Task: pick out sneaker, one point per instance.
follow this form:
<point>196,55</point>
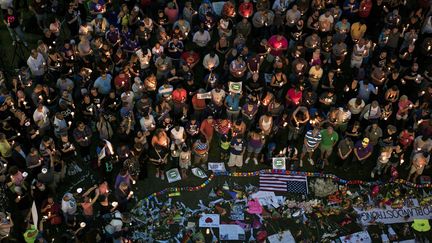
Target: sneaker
<point>255,161</point>
<point>157,175</point>
<point>372,174</point>
<point>311,161</point>
<point>247,160</point>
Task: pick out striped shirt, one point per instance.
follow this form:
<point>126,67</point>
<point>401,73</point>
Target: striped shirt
<point>311,140</point>
<point>201,148</point>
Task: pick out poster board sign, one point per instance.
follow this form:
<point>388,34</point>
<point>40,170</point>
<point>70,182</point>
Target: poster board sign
<point>173,175</point>
<point>284,237</point>
<point>209,220</point>
<point>216,167</point>
<point>394,215</point>
<point>279,163</point>
<point>199,173</point>
<point>231,232</point>
<point>203,96</point>
<point>362,236</point>
<point>235,87</point>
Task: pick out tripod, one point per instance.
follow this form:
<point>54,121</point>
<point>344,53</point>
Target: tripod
<point>20,51</point>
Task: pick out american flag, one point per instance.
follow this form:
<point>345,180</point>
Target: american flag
<point>283,183</point>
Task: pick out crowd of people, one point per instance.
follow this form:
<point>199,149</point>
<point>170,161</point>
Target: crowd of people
<point>129,87</point>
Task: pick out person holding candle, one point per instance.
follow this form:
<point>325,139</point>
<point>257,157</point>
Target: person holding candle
<point>185,159</point>
<point>419,162</point>
<point>83,136</point>
<point>278,44</point>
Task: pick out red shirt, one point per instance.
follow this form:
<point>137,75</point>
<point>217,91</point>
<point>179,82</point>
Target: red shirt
<point>207,128</point>
<point>365,8</point>
<point>179,95</point>
<point>246,9</point>
<point>294,95</point>
<point>279,44</point>
<point>121,80</point>
<point>198,104</point>
<point>190,57</point>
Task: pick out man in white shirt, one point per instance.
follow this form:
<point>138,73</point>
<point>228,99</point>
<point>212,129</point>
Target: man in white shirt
<point>40,117</point>
<point>211,61</point>
<point>356,105</point>
<point>326,22</point>
<point>201,38</point>
<point>37,65</point>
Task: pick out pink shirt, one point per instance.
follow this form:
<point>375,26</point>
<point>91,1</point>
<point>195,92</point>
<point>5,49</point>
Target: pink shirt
<point>172,14</point>
<point>403,105</point>
<point>280,44</point>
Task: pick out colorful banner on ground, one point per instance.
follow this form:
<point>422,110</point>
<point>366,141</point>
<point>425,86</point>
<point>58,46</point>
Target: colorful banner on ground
<point>393,216</point>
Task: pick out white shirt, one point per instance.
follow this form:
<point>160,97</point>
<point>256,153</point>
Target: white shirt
<point>201,39</point>
<point>211,62</point>
<point>178,135</point>
<point>41,117</point>
<point>70,206</point>
<point>36,65</point>
<point>146,123</point>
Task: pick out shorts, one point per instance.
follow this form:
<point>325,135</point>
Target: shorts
<point>307,149</point>
<point>235,160</point>
<point>328,150</point>
<point>416,170</point>
<point>255,150</point>
<point>185,164</point>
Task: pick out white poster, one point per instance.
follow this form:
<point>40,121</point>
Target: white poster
<point>284,237</point>
<point>173,175</point>
<point>231,232</point>
<point>209,220</point>
<point>392,216</point>
<point>217,167</point>
<point>203,96</point>
<point>362,236</point>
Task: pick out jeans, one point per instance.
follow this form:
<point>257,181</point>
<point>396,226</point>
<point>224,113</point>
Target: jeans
<point>16,33</point>
<point>41,20</point>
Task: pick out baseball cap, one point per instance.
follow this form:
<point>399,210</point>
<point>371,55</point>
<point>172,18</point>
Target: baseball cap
<point>365,141</point>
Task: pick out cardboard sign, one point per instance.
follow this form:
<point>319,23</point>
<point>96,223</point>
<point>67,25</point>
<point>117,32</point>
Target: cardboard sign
<point>209,220</point>
<point>173,175</point>
<point>235,87</point>
<point>203,96</point>
<point>393,216</point>
<point>279,163</point>
<point>284,237</point>
<point>217,167</point>
<point>231,232</point>
<point>362,236</point>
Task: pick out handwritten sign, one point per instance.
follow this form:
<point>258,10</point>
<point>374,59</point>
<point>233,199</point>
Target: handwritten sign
<point>392,216</point>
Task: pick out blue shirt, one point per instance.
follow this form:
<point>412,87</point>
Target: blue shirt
<point>233,102</point>
<point>237,147</point>
<point>103,85</point>
<point>364,91</point>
